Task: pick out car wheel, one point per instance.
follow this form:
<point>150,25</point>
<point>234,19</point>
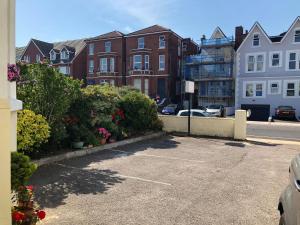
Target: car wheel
<point>282,220</point>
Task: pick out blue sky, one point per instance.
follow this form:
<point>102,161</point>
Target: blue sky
<point>57,20</point>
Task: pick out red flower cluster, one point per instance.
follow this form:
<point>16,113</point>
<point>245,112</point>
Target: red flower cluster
<point>18,216</point>
<point>104,133</point>
<point>41,214</point>
<point>13,73</point>
<point>118,116</point>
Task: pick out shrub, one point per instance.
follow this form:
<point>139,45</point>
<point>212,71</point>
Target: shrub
<point>47,92</point>
<point>21,170</point>
<point>32,131</point>
<point>140,112</point>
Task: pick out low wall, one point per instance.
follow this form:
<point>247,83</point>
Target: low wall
<point>209,126</point>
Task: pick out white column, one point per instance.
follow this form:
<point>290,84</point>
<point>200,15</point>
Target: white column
<point>7,97</point>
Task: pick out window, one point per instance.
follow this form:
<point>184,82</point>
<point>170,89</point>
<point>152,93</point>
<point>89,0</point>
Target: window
<point>254,89</point>
<point>91,66</point>
<point>64,70</point>
<point>255,62</point>
<point>297,36</point>
<point>146,62</point>
<point>162,62</point>
<point>103,65</point>
<point>146,86</point>
<point>293,60</point>
<point>27,58</point>
<point>91,48</point>
<point>185,113</point>
<point>162,42</point>
<point>141,43</point>
<point>274,87</point>
<point>38,58</point>
<point>52,55</point>
<point>107,46</point>
<point>137,62</point>
<point>112,82</point>
<point>290,91</point>
<point>137,84</point>
<point>256,40</point>
<point>64,55</point>
<point>275,59</point>
<point>112,65</point>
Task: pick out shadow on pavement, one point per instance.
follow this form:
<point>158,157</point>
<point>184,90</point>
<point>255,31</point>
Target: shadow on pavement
<point>236,144</point>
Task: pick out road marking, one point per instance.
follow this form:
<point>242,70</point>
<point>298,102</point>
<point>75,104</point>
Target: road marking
<point>118,175</point>
<point>158,156</point>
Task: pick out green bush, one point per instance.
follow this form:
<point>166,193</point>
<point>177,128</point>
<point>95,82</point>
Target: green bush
<point>32,131</point>
<point>140,112</point>
<point>21,170</point>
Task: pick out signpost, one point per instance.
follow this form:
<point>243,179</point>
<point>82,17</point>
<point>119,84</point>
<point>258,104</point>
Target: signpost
<point>189,89</point>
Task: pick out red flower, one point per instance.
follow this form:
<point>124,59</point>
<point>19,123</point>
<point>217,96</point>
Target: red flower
<point>41,214</point>
<point>18,216</point>
<point>113,117</point>
<point>30,187</point>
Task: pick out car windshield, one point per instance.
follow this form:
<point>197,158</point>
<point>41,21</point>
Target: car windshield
<point>214,107</point>
<point>285,107</point>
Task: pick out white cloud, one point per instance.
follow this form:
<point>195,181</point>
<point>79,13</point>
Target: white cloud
<point>128,29</point>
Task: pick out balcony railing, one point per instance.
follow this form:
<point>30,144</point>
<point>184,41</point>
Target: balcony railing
<point>198,72</point>
<point>217,42</point>
<point>140,72</point>
<point>221,92</point>
<point>207,59</point>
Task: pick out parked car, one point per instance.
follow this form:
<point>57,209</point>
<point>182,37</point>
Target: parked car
<point>201,107</point>
<point>289,202</point>
<point>194,112</point>
<point>286,112</point>
<point>215,110</point>
<point>161,104</point>
<point>171,109</point>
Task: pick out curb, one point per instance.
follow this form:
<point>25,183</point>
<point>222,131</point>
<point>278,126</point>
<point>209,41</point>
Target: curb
<point>273,141</point>
<point>88,151</point>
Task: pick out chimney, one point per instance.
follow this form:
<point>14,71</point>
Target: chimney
<point>239,36</point>
<point>203,37</point>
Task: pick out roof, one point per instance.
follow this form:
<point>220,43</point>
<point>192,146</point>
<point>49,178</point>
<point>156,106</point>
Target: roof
<point>152,29</point>
<point>19,52</point>
<point>113,34</point>
<point>72,45</point>
<point>44,47</point>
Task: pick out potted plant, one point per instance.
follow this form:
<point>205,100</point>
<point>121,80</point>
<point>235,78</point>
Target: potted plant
<point>104,135</point>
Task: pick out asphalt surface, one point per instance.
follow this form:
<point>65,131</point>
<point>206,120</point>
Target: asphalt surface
<point>172,180</point>
<point>275,130</point>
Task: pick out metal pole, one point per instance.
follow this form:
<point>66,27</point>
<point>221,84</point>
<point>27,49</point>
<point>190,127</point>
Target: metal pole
<point>189,116</point>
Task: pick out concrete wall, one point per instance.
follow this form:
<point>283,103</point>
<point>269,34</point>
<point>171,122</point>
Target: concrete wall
<point>209,126</point>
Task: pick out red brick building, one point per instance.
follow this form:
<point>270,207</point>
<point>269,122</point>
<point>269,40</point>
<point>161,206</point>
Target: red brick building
<point>153,59</point>
<point>105,56</point>
<point>68,56</point>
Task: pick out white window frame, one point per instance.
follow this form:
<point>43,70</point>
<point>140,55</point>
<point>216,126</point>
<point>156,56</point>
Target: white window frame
<point>162,42</point>
<point>135,62</point>
<point>37,58</point>
<point>52,55</point>
<point>64,70</point>
<point>294,39</point>
<point>112,65</point>
<point>254,83</point>
<point>255,54</point>
<point>91,49</point>
<point>271,59</point>
<point>287,68</point>
<point>146,62</point>
<point>103,65</point>
<point>162,60</point>
<point>278,82</point>
<point>27,58</point>
<point>64,54</point>
<point>258,34</point>
<point>107,46</point>
<point>91,66</point>
<point>137,83</point>
<point>297,88</point>
<point>141,43</point>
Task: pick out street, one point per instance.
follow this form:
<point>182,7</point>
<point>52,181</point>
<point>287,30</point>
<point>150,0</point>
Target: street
<point>170,180</point>
<point>276,130</point>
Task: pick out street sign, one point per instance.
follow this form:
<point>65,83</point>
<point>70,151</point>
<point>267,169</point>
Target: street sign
<point>189,86</point>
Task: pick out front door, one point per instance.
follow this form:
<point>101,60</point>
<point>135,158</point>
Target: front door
<point>161,87</point>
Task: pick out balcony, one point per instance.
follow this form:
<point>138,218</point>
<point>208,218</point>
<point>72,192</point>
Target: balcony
<point>209,72</point>
<point>217,93</point>
<point>217,42</point>
<point>207,59</point>
<point>140,72</point>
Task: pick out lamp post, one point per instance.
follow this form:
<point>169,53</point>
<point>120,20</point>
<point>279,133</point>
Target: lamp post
<point>8,105</point>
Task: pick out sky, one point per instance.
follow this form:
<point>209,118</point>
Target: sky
<point>60,20</point>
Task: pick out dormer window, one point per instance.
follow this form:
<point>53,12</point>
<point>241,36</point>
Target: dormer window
<point>162,41</point>
<point>297,36</point>
<point>256,40</point>
<point>52,55</point>
<point>141,43</point>
<point>64,54</point>
<point>107,46</point>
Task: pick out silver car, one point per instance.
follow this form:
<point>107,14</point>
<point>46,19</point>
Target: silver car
<point>289,202</point>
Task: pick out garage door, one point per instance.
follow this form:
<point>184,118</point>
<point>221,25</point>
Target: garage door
<point>258,112</point>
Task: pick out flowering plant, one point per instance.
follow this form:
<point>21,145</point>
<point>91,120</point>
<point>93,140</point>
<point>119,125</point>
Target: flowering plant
<point>25,212</point>
<point>104,134</point>
<point>13,73</point>
<point>118,116</point>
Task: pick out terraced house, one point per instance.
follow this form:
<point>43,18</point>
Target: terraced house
<point>68,56</point>
<point>268,71</point>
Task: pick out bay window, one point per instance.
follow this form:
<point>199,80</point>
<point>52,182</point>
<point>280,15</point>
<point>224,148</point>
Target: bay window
<point>103,65</point>
<point>112,65</point>
<point>137,62</point>
<point>146,62</point>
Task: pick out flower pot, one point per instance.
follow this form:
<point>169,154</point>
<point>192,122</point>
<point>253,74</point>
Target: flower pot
<point>102,141</point>
<point>78,145</point>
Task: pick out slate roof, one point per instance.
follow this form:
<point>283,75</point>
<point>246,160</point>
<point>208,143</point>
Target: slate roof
<point>19,52</point>
<point>73,45</point>
<point>277,38</point>
<point>44,47</point>
<point>152,29</point>
<point>113,34</point>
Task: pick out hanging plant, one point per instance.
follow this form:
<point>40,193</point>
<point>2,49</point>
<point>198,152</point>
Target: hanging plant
<point>13,73</point>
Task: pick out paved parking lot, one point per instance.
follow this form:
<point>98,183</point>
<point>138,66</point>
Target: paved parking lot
<point>171,180</point>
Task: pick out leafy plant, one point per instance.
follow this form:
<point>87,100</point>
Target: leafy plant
<point>32,131</point>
